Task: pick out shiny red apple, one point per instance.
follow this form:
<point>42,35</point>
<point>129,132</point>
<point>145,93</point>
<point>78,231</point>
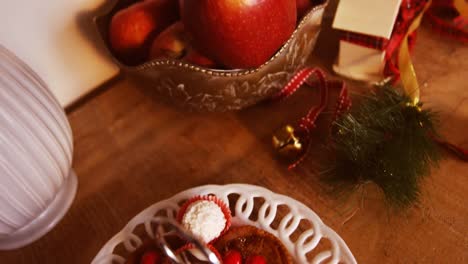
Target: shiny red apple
<point>181,6</point>
<point>194,57</point>
<point>170,44</point>
<point>239,33</point>
<point>302,7</point>
<point>131,28</point>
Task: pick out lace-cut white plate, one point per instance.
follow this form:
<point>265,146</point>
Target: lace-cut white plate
<point>297,226</point>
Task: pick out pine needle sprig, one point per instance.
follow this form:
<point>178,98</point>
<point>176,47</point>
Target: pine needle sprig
<point>387,140</point>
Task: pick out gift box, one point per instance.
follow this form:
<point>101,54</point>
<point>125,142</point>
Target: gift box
<point>371,32</point>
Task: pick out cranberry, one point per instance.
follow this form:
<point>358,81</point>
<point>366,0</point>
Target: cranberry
<point>232,257</point>
<point>150,257</point>
<point>256,259</point>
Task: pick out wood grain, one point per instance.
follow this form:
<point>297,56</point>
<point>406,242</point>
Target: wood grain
<point>132,151</point>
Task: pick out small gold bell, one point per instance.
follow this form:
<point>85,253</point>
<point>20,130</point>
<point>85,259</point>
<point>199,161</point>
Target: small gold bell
<point>287,143</point>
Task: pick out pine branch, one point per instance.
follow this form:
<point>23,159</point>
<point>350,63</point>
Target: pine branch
<point>388,141</point>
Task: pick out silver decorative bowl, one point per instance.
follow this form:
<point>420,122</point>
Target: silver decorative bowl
<point>205,89</point>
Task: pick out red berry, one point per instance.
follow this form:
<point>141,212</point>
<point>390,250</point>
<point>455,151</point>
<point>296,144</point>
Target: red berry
<point>150,257</point>
<point>232,257</point>
<point>257,259</point>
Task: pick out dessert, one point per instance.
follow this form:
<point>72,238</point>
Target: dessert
<point>148,253</point>
<point>209,219</point>
<point>151,257</point>
<point>206,217</point>
<point>253,244</point>
<point>190,254</point>
<point>255,260</point>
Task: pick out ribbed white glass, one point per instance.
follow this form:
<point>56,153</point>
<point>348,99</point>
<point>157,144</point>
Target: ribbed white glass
<point>37,184</point>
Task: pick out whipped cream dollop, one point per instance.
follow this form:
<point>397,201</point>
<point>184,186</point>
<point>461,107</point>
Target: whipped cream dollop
<point>204,219</point>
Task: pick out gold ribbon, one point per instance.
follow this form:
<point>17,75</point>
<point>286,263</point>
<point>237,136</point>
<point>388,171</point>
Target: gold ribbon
<point>407,72</point>
<point>462,7</point>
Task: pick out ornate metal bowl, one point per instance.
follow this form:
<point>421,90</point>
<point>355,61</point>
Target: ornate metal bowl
<point>206,89</point>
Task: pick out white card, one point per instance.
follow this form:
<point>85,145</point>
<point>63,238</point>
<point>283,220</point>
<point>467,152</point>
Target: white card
<point>360,63</point>
<point>369,17</point>
<point>57,39</point>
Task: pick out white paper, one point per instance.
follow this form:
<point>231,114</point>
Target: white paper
<point>360,63</point>
<point>56,38</point>
<point>369,17</point>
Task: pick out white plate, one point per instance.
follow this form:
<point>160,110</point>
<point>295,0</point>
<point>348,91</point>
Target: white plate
<point>249,205</point>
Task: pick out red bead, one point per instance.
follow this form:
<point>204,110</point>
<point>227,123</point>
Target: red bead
<point>150,257</point>
<point>232,257</point>
<point>257,259</point>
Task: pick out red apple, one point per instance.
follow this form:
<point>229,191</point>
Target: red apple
<point>131,28</point>
<point>151,257</point>
<point>170,43</point>
<point>194,57</point>
<point>181,7</point>
<point>302,7</point>
<point>239,33</point>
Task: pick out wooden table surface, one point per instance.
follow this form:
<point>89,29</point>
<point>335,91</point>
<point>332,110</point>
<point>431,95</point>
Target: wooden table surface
<point>132,151</point>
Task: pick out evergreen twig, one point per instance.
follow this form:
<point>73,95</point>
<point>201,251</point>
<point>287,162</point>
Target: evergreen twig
<point>387,140</point>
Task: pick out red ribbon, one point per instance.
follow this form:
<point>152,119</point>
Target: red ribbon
<point>307,123</point>
<point>408,12</point>
<point>343,104</point>
<point>461,153</point>
<point>456,28</point>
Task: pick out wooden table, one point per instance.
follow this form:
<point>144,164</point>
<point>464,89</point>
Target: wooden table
<point>132,151</point>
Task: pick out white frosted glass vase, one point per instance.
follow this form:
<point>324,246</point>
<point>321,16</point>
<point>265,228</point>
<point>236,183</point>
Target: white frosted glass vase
<point>37,184</point>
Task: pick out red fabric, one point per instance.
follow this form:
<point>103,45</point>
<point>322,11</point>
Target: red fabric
<point>409,10</point>
<point>460,152</point>
<point>364,40</point>
<point>455,27</point>
<point>442,2</point>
